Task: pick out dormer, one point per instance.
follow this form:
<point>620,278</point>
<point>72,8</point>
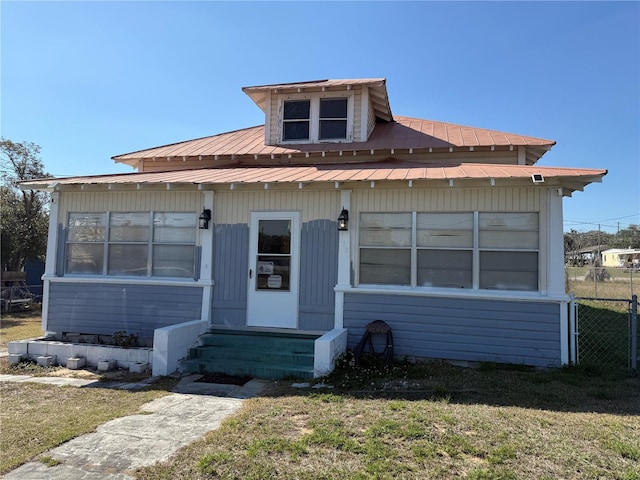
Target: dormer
<point>322,111</point>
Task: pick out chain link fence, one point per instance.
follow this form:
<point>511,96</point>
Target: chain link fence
<point>605,332</point>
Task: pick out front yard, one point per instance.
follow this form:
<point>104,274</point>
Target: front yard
<point>421,421</point>
<point>438,422</point>
<point>36,417</point>
<point>20,325</point>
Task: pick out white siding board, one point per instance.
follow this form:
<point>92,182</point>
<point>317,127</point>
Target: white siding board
<point>235,206</point>
<point>357,115</point>
<point>130,202</point>
<point>491,199</point>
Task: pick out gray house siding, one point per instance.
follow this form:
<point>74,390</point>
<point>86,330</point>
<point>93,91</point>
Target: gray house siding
<point>502,331</point>
<point>230,273</point>
<point>318,275</point>
<point>102,309</point>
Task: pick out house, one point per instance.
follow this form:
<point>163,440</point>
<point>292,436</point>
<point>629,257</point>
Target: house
<point>331,215</point>
<point>621,258</point>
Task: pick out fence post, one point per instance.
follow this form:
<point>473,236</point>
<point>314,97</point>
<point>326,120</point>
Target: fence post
<point>572,330</point>
<point>634,332</point>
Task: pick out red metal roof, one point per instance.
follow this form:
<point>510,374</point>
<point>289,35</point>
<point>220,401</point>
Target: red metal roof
<point>403,133</point>
<point>574,178</point>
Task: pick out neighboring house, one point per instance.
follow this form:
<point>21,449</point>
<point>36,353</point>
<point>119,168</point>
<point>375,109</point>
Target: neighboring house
<point>585,256</point>
<point>452,234</point>
<point>621,257</point>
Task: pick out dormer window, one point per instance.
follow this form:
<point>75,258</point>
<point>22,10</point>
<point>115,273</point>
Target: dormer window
<point>296,119</point>
<point>316,119</point>
<point>333,118</point>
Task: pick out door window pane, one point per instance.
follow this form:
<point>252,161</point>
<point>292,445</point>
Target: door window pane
<point>274,236</point>
<point>273,272</point>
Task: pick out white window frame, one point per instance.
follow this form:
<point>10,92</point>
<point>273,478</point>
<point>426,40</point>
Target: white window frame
<point>476,250</point>
<point>150,243</point>
<point>314,116</point>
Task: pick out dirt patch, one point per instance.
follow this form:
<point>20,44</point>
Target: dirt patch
<point>67,373</point>
<point>119,375</point>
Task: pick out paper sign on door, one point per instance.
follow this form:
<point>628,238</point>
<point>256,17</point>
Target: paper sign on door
<point>274,281</point>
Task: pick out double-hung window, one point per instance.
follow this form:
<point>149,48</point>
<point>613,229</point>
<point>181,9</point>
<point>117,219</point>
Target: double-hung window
<point>508,244</point>
<point>315,119</point>
<point>85,243</point>
<point>174,236</point>
<point>472,250</point>
<point>385,248</point>
<point>141,244</point>
<point>333,118</point>
<point>296,120</point>
<point>128,247</point>
<point>445,250</point>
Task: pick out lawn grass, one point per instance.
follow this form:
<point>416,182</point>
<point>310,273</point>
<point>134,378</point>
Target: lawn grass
<point>492,422</point>
<point>19,326</point>
<point>622,285</point>
<point>36,417</point>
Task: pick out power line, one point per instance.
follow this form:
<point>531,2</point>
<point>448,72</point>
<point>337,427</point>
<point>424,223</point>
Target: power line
<point>602,222</point>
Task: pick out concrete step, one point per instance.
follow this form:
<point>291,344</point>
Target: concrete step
<point>265,356</point>
<point>269,355</point>
<point>247,368</point>
<point>253,341</point>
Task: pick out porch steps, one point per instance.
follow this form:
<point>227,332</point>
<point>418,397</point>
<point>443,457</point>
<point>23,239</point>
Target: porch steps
<point>261,354</point>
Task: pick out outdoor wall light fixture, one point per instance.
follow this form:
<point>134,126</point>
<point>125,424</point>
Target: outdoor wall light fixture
<point>343,220</point>
<point>203,219</point>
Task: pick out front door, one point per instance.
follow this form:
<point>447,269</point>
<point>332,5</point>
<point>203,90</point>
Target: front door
<point>273,269</point>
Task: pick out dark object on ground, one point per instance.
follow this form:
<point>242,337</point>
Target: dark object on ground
<point>377,327</point>
<point>217,377</point>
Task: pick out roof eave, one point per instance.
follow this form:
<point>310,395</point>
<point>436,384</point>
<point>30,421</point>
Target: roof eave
<point>566,181</point>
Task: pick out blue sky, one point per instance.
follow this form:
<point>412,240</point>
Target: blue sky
<point>90,80</point>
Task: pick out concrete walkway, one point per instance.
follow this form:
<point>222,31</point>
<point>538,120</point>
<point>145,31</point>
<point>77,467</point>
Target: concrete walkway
<point>126,443</point>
